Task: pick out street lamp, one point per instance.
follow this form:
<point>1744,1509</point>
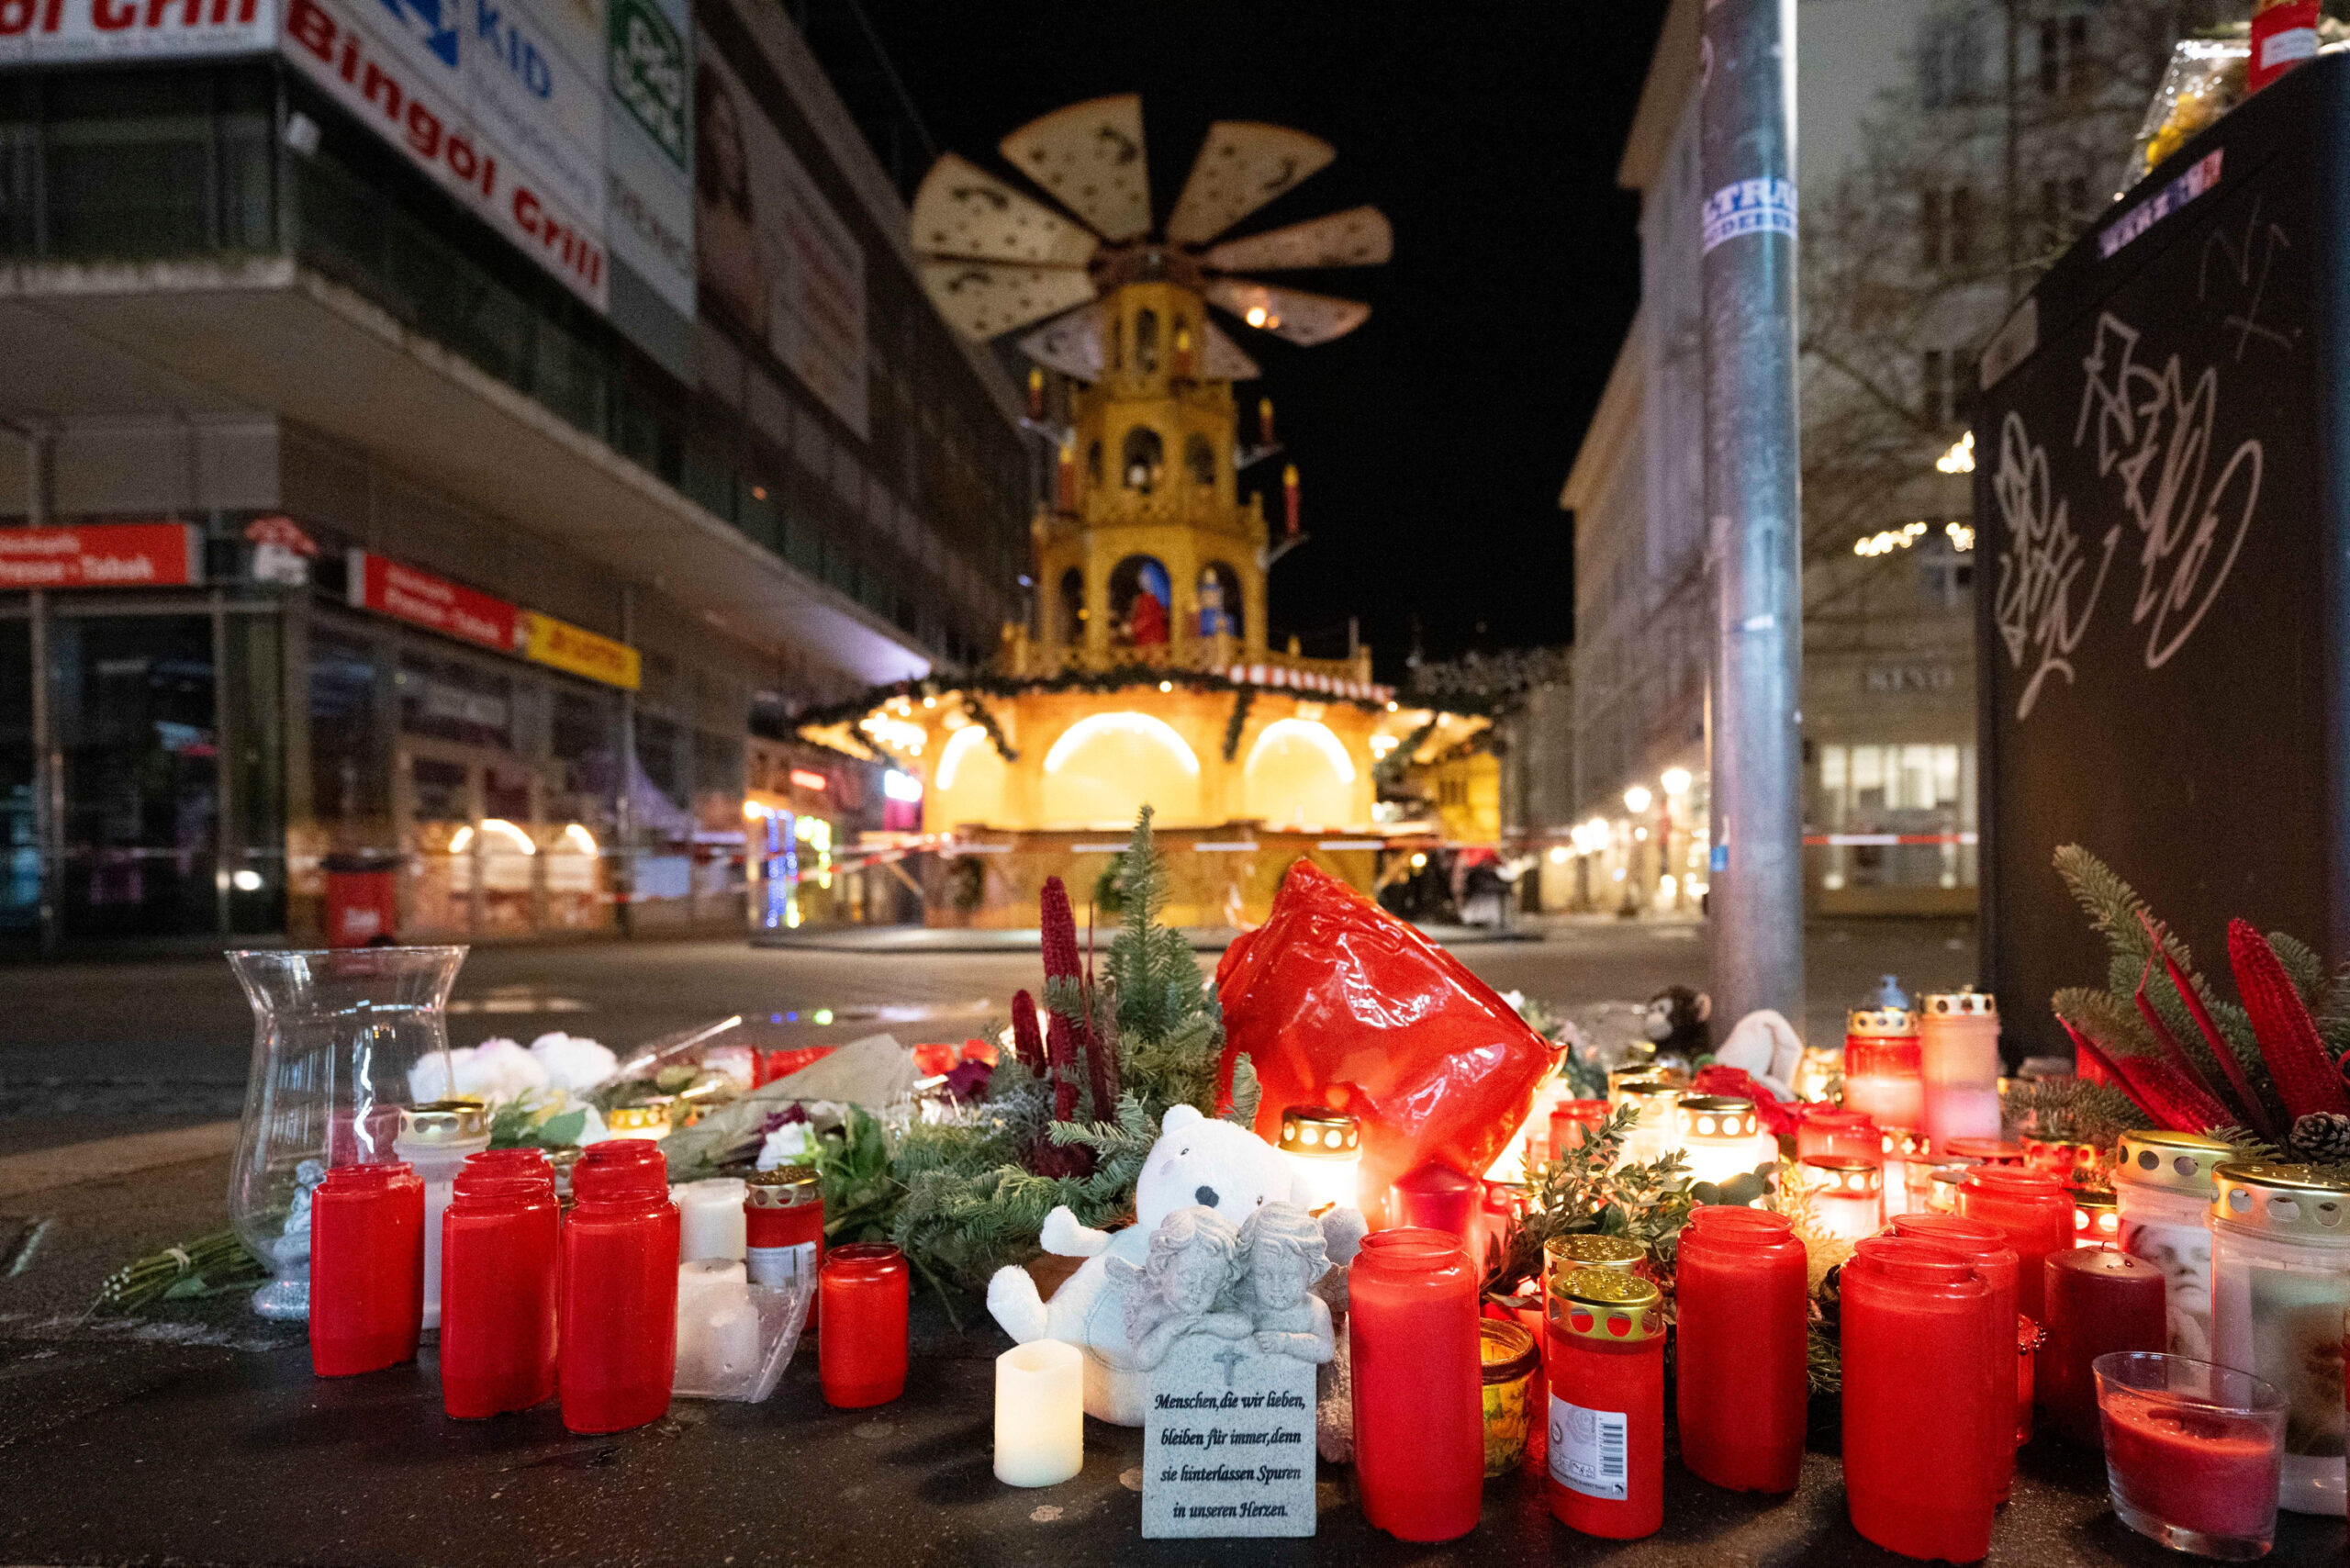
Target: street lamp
<point>1676,781</point>
<point>1637,798</point>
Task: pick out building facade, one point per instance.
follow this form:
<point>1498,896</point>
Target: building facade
<point>1946,149</point>
<point>429,451</point>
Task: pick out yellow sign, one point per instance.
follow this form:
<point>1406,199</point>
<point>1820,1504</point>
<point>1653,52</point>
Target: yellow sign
<point>581,651</point>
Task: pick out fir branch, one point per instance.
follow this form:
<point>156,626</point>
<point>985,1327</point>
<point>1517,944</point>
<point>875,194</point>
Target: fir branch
<point>2302,967</point>
<point>1234,726</point>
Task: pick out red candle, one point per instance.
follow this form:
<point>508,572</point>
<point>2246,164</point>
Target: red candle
<point>1984,1151</point>
<point>500,1241</point>
<point>1926,1402</point>
<point>2194,1448</point>
<point>1829,1133</point>
<point>1574,1121</point>
<point>511,1162</point>
<point>1742,1388</point>
<point>1606,1408</point>
<point>1436,1197</point>
<point>783,1228</point>
<point>619,1332</point>
<point>2098,1301</point>
<point>366,1268</point>
<point>2034,1209</point>
<point>1419,1408</point>
<point>1986,1247</point>
<point>861,1355</point>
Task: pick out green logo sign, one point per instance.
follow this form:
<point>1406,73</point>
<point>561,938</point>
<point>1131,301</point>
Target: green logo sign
<point>648,74</point>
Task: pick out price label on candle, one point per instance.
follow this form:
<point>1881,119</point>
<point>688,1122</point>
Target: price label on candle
<point>1228,1447</point>
<point>1588,1449</point>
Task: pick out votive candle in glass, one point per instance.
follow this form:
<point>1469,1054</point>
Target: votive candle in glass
<point>1039,1412</point>
<point>1607,1372</point>
<point>1721,1136</point>
<point>366,1268</point>
<point>618,1355</point>
<point>1653,1096</point>
<point>1843,1135</point>
<point>2192,1452</point>
<point>2098,1301</point>
<point>2035,1213</point>
<point>1436,1197</point>
<point>861,1353</point>
<point>1986,1247</point>
<point>1509,1361</point>
<point>1413,1348</point>
<point>1883,1079</point>
<point>1574,1121</point>
<point>500,1261</point>
<point>2162,1187</point>
<point>1909,1176</point>
<point>436,1139</point>
<point>2280,1281</point>
<point>710,1220</point>
<point>2097,1220</point>
<point>1741,1387</point>
<point>1926,1400</point>
<point>1323,1150</point>
<point>1847,1195</point>
<point>1958,1055</point>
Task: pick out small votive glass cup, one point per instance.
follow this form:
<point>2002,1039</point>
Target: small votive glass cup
<point>2192,1451</point>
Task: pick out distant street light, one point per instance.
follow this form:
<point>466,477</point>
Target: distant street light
<point>1959,458</point>
<point>1676,781</point>
<point>1637,798</point>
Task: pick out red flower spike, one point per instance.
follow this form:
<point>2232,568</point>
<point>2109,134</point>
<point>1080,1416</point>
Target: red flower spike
<point>2169,1042</point>
<point>2167,1097</point>
<point>1059,932</point>
<point>1027,1035</point>
<point>2305,1076</point>
<point>2252,1104</point>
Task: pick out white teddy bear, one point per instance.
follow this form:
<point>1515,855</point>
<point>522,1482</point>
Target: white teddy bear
<point>1216,1165</point>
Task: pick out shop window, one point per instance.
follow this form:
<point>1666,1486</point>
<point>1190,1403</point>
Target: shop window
<point>1199,460</point>
<point>1147,341</point>
<point>1894,816</point>
<point>454,700</point>
<point>1145,459</point>
<point>349,767</point>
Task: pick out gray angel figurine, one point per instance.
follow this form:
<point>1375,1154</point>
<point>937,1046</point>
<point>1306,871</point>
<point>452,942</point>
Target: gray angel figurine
<point>1195,1260</point>
<point>1286,1256</point>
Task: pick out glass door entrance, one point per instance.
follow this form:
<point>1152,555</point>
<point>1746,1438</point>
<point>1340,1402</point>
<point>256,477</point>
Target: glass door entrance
<point>468,819</point>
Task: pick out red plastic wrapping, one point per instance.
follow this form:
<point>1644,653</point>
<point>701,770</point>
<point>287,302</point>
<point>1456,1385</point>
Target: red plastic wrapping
<point>1336,1002</point>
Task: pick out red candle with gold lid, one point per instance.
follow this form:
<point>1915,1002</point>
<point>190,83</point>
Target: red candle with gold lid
<point>1742,1385</point>
<point>1883,1076</point>
<point>1607,1372</point>
<point>366,1268</point>
<point>1925,1402</point>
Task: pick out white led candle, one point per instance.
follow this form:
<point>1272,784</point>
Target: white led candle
<point>1039,1414</point>
<point>710,1216</point>
<point>1324,1148</point>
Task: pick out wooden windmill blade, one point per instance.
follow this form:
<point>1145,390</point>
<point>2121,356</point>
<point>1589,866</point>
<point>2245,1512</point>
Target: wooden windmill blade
<point>962,211</point>
<point>981,300</point>
<point>1293,313</point>
<point>1090,156</point>
<point>1242,166</point>
<point>1358,237</point>
<point>1070,343</point>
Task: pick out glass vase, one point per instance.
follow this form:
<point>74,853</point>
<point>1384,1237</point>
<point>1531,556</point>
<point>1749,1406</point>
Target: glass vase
<point>334,1036</point>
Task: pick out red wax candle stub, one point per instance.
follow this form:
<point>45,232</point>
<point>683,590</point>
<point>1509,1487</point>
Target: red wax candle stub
<point>861,1354</point>
<point>1926,1400</point>
<point>1741,1391</point>
<point>366,1268</point>
<point>2099,1301</point>
<point>1419,1414</point>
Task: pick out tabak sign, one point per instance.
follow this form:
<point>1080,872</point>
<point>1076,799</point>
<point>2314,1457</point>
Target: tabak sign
<point>61,31</point>
<point>106,554</point>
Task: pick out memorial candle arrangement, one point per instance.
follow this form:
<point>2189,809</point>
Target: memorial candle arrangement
<point>436,1139</point>
<point>1741,1382</point>
<point>861,1350</point>
<point>1958,1057</point>
<point>618,1359</point>
<point>2163,1191</point>
<point>1606,1376</point>
<point>1927,1400</point>
<point>1882,1077</point>
<point>2099,1302</point>
<point>1413,1348</point>
<point>500,1242</point>
<point>2280,1283</point>
<point>366,1268</point>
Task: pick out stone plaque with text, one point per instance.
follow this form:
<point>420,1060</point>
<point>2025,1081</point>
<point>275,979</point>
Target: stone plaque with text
<point>1229,1444</point>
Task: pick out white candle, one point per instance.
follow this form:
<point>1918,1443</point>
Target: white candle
<point>717,1328</point>
<point>710,1216</point>
<point>1039,1414</point>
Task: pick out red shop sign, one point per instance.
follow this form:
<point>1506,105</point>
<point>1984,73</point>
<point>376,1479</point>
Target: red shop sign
<point>105,554</point>
<point>434,603</point>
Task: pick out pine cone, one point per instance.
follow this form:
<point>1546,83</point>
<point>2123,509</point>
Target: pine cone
<point>2322,1138</point>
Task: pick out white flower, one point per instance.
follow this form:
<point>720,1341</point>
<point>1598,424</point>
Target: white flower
<point>788,1145</point>
<point>1516,1000</point>
<point>572,1061</point>
<point>493,1073</point>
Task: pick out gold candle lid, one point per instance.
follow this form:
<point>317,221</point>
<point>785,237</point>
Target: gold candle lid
<point>1314,1133</point>
<point>1565,1254</point>
<point>2296,1201</point>
<point>1842,1176</point>
<point>652,1116</point>
<point>1648,1084</point>
<point>1965,1003</point>
<point>2175,1163</point>
<point>785,1187</point>
<point>1881,1022</point>
<point>1718,1116</point>
<point>443,1122</point>
<point>1606,1306</point>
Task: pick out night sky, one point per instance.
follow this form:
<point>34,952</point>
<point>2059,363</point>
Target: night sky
<point>1433,441</point>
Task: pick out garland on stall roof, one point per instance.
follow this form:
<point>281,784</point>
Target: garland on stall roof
<point>1098,682</point>
<point>986,721</point>
<point>1239,722</point>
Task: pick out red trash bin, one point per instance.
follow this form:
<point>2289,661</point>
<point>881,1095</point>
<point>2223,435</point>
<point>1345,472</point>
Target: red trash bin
<point>363,900</point>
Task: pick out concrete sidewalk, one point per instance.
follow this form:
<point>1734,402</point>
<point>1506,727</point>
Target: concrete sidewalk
<point>926,939</point>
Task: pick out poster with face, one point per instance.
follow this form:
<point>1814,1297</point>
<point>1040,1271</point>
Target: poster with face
<point>2297,1345</point>
<point>2183,1252</point>
<point>773,254</point>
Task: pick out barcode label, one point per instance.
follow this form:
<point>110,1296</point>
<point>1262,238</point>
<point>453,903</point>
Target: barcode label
<point>777,1267</point>
<point>1589,1450</point>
